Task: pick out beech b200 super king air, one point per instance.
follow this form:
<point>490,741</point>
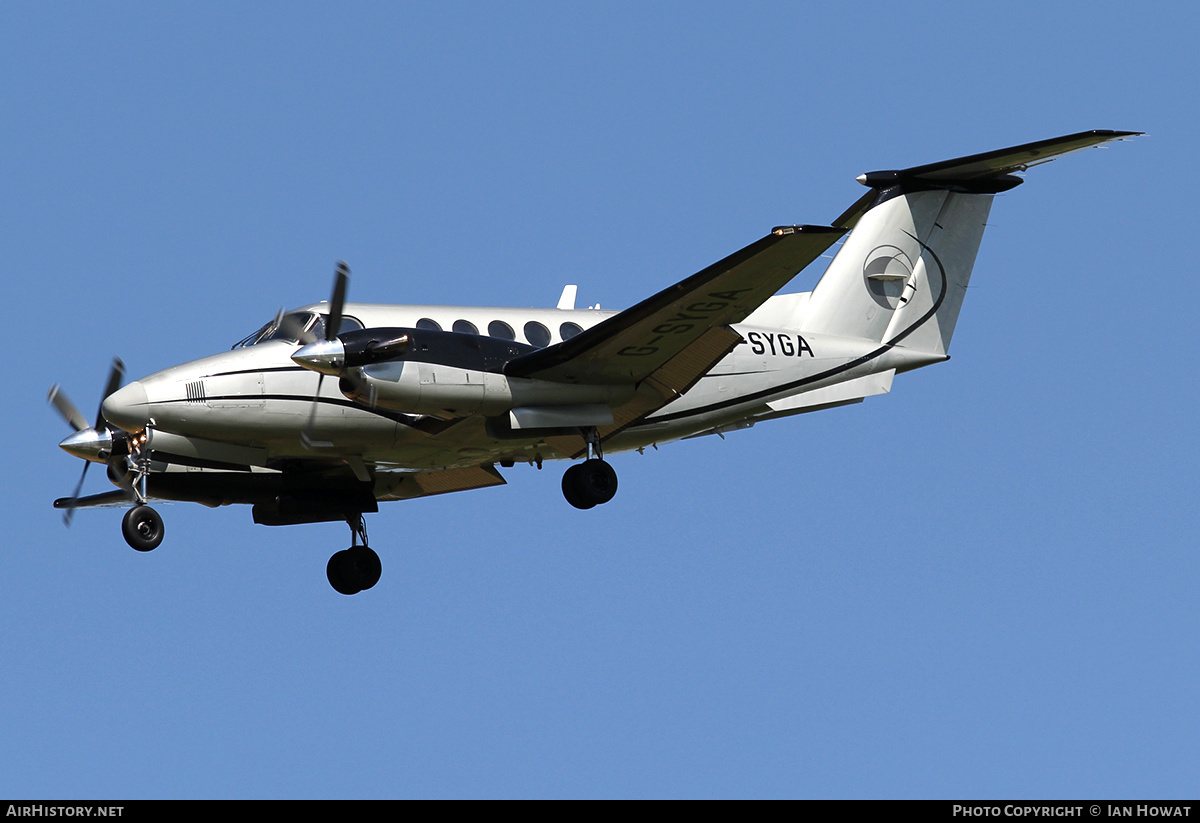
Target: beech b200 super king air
<point>331,408</point>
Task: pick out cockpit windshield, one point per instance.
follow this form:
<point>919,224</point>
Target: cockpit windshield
<point>292,325</point>
<point>287,328</point>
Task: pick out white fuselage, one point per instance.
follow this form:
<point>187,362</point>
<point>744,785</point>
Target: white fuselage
<point>251,405</point>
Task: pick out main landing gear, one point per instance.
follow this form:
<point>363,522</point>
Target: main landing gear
<point>357,568</point>
<point>591,482</point>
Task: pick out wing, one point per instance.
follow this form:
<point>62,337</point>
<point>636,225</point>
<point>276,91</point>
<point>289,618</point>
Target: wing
<point>669,341</point>
<point>631,346</point>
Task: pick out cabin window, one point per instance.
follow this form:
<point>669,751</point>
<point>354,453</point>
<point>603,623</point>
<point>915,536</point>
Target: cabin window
<point>428,325</point>
<point>569,330</point>
<point>500,329</point>
<point>465,327</point>
<point>537,334</point>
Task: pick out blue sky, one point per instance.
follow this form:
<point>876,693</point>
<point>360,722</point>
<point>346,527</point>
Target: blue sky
<point>980,585</point>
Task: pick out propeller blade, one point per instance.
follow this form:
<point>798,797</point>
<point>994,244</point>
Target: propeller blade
<point>334,323</point>
<point>66,408</point>
<point>70,512</point>
<point>115,375</point>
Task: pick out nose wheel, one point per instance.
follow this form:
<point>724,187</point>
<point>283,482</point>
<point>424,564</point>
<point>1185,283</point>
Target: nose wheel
<point>357,568</point>
<point>143,528</point>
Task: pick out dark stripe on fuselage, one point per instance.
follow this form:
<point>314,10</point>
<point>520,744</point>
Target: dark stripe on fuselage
<point>254,371</point>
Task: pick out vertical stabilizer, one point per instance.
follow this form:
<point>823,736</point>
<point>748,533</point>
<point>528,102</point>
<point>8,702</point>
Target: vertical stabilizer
<point>863,286</point>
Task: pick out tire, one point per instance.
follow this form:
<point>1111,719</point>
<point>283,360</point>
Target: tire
<point>334,571</point>
<point>362,567</point>
<point>571,489</point>
<point>143,528</point>
<point>597,481</point>
<point>353,570</point>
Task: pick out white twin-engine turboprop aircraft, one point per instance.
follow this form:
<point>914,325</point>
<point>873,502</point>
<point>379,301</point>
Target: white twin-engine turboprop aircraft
<point>430,399</point>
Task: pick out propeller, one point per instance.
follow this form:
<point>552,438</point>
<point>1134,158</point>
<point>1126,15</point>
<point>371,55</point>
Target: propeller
<point>333,323</point>
<point>87,440</point>
<point>340,279</point>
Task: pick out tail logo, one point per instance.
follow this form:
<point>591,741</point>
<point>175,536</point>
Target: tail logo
<point>886,271</point>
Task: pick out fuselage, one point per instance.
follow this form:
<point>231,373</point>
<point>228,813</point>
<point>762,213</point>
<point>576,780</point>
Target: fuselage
<point>253,403</point>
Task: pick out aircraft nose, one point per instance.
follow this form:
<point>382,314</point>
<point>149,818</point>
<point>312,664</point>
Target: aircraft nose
<point>128,407</point>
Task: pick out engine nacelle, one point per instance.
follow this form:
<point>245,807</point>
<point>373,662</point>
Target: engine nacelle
<point>432,388</point>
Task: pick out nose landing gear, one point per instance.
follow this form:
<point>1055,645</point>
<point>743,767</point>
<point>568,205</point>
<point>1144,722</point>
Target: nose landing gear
<point>142,526</point>
<point>357,568</point>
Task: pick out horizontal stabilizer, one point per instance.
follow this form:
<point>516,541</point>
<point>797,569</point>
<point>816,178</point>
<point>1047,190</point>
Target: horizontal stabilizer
<point>1000,161</point>
<point>989,172</point>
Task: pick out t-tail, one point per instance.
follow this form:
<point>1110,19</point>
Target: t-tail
<point>901,275</point>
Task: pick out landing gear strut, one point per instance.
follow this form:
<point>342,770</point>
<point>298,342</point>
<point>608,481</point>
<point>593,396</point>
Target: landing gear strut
<point>591,482</point>
<point>357,568</point>
<point>142,526</point>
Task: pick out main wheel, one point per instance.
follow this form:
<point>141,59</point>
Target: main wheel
<point>597,480</point>
<point>353,570</point>
<point>363,566</point>
<point>143,528</point>
<point>333,570</point>
<point>589,483</point>
<point>571,490</point>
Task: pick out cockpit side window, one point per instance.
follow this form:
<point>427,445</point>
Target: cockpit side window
<point>289,329</point>
<point>348,324</point>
